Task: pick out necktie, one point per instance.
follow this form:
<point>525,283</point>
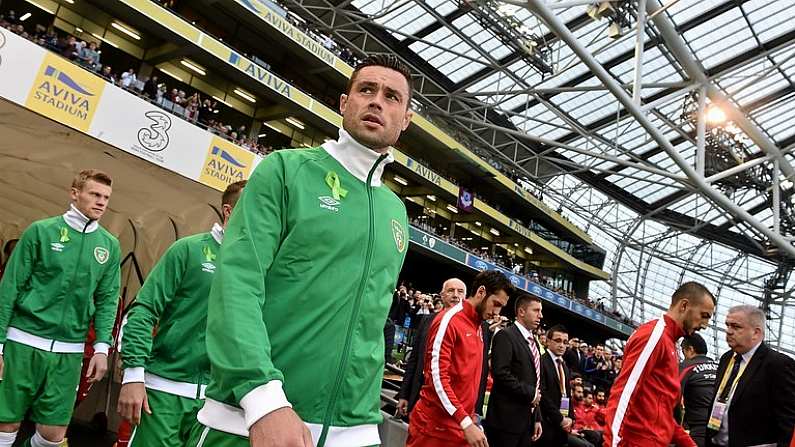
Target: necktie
<point>561,378</point>
<point>724,394</point>
<point>536,360</point>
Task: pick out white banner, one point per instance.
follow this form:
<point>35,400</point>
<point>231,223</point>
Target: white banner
<point>149,132</point>
<point>54,87</point>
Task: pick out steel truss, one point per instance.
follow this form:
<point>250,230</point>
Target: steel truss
<point>481,121</point>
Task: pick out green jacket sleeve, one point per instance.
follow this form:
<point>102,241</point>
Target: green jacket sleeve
<point>106,299</point>
<point>135,344</point>
<point>238,345</point>
<point>15,277</point>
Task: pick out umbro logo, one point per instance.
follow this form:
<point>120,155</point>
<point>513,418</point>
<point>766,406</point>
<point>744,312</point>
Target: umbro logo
<point>57,246</point>
<point>329,203</point>
<point>208,267</point>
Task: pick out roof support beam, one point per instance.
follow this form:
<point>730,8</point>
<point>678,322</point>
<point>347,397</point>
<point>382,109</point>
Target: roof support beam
<point>678,48</point>
<point>542,11</point>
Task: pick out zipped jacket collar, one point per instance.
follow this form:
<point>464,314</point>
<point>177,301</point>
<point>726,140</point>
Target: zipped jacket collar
<point>78,221</point>
<point>357,158</point>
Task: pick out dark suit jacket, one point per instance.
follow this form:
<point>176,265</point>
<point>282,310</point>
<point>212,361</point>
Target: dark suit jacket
<point>762,410</point>
<point>553,433</point>
<point>415,364</point>
<point>413,377</point>
<point>512,393</point>
<point>575,360</point>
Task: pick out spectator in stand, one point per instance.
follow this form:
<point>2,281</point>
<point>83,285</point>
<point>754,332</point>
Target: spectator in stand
<point>445,413</point>
<point>69,48</point>
<point>150,87</point>
<point>557,416</point>
<point>601,399</point>
<point>512,418</point>
<point>597,366</point>
<point>453,292</point>
<point>642,400</point>
<point>89,57</point>
<point>107,73</point>
<point>697,381</point>
<point>590,418</point>
<point>573,357</point>
<point>128,78</point>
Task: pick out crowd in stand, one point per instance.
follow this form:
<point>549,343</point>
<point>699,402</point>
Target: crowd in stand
<point>193,108</point>
<point>515,265</point>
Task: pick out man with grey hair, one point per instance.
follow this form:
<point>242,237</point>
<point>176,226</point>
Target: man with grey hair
<point>453,292</point>
<point>754,402</point>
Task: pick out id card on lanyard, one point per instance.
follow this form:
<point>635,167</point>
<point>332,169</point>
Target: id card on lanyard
<point>718,407</point>
<point>564,406</point>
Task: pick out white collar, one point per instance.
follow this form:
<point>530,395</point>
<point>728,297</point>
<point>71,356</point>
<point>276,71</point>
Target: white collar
<point>77,220</point>
<point>554,357</point>
<point>357,158</point>
<point>747,356</point>
<point>218,233</point>
<point>526,334</point>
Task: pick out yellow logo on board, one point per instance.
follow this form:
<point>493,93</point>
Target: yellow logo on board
<point>226,163</point>
<point>65,92</point>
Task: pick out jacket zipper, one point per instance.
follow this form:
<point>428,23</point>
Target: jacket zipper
<point>74,275</point>
<point>356,308</point>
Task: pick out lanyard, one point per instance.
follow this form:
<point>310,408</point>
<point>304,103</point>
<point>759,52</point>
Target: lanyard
<point>726,374</point>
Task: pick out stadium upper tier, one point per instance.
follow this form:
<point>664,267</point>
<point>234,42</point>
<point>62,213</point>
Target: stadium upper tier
<point>169,38</point>
<point>71,95</point>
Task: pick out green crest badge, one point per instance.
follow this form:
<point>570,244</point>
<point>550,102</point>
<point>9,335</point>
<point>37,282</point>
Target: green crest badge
<point>101,254</point>
<point>399,235</point>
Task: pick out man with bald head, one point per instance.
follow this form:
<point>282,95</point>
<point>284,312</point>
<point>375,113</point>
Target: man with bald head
<point>754,400</point>
<point>453,291</point>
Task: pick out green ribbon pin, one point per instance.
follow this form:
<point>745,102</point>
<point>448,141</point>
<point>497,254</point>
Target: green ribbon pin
<point>333,182</point>
<point>209,256</point>
<point>64,235</point>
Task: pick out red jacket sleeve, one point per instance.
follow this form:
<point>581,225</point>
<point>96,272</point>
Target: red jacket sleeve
<point>681,438</point>
<point>441,355</point>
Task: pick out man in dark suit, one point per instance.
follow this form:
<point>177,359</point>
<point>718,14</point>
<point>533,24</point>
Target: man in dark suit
<point>512,417</point>
<point>574,359</point>
<point>755,387</point>
<point>453,291</point>
<point>556,405</point>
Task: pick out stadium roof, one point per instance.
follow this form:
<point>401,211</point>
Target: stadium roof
<point>548,88</point>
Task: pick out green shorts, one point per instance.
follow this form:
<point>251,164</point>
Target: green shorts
<point>44,382</point>
<point>201,436</point>
<point>170,423</point>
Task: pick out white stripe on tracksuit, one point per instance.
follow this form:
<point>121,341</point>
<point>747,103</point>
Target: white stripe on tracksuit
<point>634,376</point>
<point>436,349</point>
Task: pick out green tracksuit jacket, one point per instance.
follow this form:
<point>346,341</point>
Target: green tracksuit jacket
<point>63,273</point>
<point>304,283</point>
<point>173,299</point>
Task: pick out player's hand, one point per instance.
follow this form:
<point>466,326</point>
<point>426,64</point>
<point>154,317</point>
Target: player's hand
<point>566,423</point>
<point>537,432</point>
<point>1,366</point>
<point>132,399</point>
<point>97,368</point>
<point>402,407</point>
<point>280,428</point>
<point>475,436</point>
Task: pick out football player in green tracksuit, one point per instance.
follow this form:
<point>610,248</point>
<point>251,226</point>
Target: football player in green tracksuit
<point>304,284</point>
<point>165,375</point>
<point>63,274</point>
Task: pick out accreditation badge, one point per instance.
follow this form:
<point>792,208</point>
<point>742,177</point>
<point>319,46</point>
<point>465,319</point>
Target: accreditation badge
<point>716,417</point>
<point>564,407</point>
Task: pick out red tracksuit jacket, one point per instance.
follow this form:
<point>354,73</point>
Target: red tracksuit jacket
<point>453,359</point>
<point>640,409</point>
